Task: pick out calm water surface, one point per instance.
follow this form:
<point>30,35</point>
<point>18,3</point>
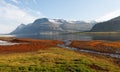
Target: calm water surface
<point>114,37</point>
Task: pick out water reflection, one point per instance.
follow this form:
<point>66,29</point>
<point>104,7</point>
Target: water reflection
<point>112,37</point>
<point>58,37</point>
<point>73,37</point>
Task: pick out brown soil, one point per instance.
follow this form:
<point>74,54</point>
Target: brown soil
<point>28,45</point>
<point>93,66</point>
<point>101,46</point>
<point>117,62</point>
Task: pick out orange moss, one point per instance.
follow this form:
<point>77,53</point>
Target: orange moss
<point>29,45</point>
<point>102,46</point>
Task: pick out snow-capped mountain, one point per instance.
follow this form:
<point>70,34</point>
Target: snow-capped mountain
<point>50,26</point>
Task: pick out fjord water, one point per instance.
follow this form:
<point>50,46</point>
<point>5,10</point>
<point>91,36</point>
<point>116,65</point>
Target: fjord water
<point>86,37</point>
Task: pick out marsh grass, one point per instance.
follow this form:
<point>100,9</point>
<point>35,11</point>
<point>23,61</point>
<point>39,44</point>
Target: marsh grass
<point>55,60</point>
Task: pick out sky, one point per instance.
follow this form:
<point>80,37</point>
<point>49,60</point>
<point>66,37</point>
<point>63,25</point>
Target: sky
<point>16,12</point>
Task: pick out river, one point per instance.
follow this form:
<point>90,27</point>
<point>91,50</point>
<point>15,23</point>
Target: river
<point>68,42</point>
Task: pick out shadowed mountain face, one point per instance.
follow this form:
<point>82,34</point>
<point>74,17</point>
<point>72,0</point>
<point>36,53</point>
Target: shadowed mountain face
<point>47,26</point>
<point>108,26</point>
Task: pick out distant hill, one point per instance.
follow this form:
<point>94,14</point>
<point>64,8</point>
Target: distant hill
<point>108,26</point>
<point>52,26</point>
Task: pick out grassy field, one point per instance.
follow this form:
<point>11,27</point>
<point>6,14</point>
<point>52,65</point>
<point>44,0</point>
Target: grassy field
<point>56,60</point>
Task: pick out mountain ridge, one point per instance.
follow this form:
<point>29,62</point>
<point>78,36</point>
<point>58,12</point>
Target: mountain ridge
<point>112,25</point>
<point>45,25</point>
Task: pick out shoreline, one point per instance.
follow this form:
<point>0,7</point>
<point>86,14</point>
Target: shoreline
<point>26,45</point>
<point>92,46</point>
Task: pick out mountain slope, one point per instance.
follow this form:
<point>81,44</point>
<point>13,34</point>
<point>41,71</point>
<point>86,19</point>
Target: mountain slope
<point>52,26</point>
<point>77,26</point>
<point>39,25</point>
<point>108,26</point>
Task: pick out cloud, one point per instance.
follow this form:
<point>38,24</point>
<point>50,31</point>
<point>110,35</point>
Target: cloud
<point>11,16</point>
<point>15,1</point>
<point>6,29</point>
<point>109,16</point>
<point>12,12</point>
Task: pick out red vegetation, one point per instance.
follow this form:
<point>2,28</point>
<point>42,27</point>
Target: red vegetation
<point>29,45</point>
<point>102,46</point>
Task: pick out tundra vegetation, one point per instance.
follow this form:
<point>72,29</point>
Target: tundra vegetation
<point>50,58</point>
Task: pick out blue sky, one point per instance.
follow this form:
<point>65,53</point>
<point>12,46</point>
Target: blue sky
<point>15,12</point>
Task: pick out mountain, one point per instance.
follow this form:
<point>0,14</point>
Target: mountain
<point>52,26</point>
<point>108,26</point>
<point>19,28</point>
<point>76,26</point>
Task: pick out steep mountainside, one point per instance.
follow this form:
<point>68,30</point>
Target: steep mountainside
<point>108,26</point>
